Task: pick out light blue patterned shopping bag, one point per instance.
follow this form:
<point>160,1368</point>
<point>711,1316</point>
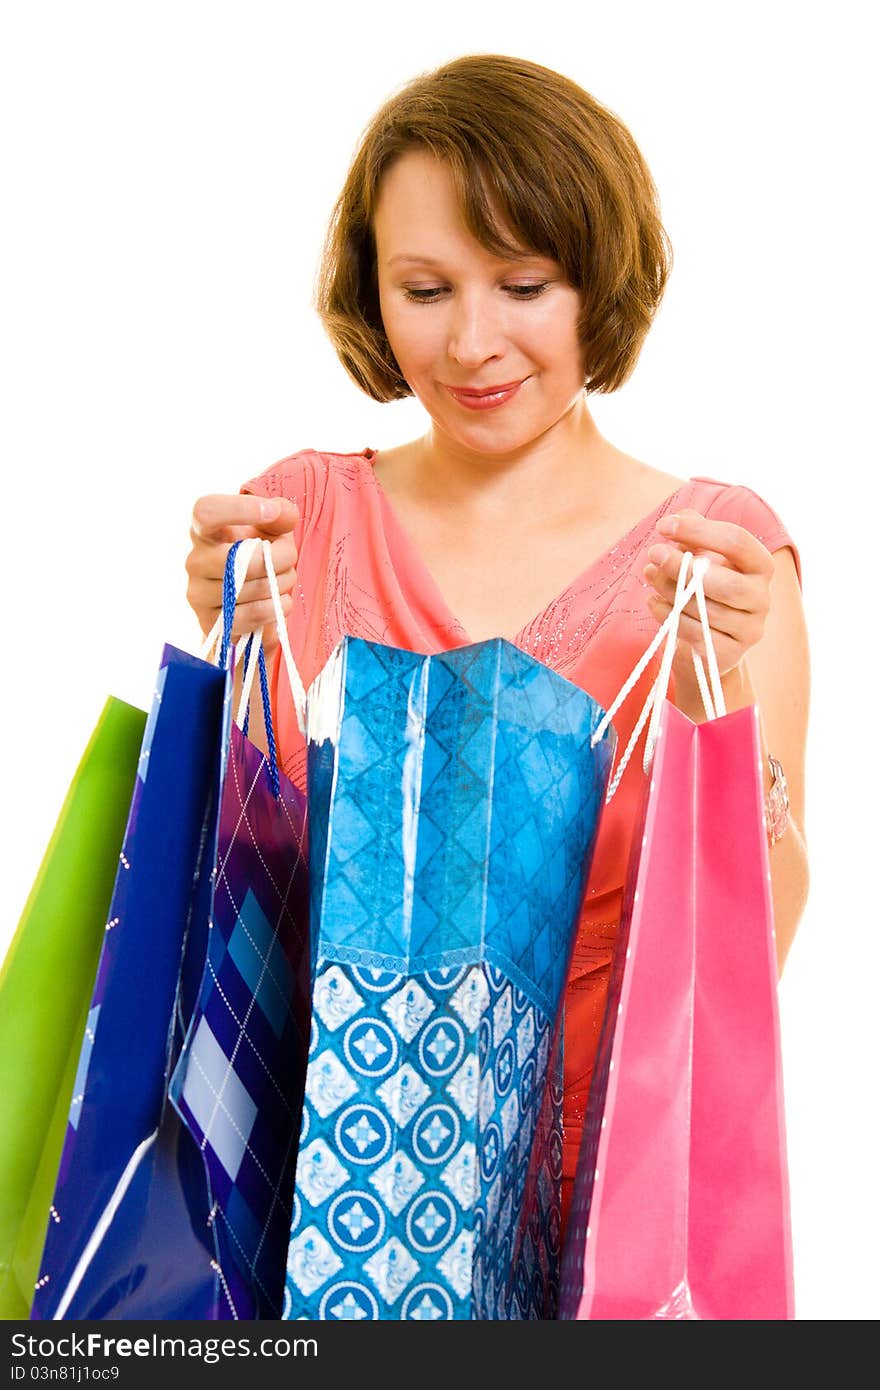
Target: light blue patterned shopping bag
<point>453,804</point>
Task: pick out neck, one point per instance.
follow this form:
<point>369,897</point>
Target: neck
<point>546,473</point>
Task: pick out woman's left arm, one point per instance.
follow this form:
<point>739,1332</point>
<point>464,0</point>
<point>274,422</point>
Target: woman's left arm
<point>755,611</point>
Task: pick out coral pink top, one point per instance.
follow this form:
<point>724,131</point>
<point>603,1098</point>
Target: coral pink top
<point>360,574</point>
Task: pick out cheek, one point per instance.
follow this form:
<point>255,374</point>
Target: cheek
<point>413,340</point>
<point>553,338</point>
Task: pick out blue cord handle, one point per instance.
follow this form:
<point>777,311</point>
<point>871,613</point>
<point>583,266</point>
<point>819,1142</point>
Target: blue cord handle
<point>228,616</point>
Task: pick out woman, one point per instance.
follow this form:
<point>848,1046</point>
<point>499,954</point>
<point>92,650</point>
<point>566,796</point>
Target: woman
<point>497,251</point>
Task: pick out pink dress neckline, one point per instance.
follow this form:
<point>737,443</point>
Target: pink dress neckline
<point>393,526</point>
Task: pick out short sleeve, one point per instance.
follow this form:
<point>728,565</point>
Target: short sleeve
<point>745,508</point>
<point>301,478</point>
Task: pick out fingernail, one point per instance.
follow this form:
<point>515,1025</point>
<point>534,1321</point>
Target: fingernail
<point>668,525</point>
<point>658,553</point>
<point>270,509</point>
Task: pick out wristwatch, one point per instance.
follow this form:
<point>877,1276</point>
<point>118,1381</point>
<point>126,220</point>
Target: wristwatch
<point>777,802</point>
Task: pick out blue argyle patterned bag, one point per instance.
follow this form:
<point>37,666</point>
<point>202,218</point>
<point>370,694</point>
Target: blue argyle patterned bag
<point>174,1193</point>
<point>238,1083</point>
<point>453,802</point>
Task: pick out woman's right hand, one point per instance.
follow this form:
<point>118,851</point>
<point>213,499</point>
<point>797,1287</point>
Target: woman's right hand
<point>217,522</point>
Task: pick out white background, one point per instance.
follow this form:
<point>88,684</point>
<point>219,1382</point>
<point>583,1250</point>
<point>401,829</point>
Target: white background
<point>167,173</point>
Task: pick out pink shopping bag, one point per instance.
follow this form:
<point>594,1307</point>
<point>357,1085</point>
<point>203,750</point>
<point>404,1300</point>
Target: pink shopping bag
<point>681,1202</point>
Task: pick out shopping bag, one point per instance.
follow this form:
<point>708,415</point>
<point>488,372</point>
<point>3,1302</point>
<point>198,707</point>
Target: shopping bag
<point>45,987</point>
<point>174,1190</point>
<point>681,1203</point>
<point>453,808</point>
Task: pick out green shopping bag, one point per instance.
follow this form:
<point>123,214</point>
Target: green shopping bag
<point>46,984</point>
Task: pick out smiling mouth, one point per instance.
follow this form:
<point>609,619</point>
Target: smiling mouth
<point>492,398</point>
<point>479,392</point>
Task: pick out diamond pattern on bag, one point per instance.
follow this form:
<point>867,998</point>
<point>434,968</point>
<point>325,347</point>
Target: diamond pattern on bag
<point>525,1038</point>
<point>238,1084</point>
<point>487,1098</point>
<point>471,999</point>
<point>502,1016</point>
<point>319,1172</point>
<point>464,1087</point>
<point>460,1176</point>
<point>409,1009</point>
<point>336,999</point>
<point>328,1084</point>
<point>311,1260</point>
<point>456,1264</point>
<point>403,1094</point>
<point>217,1099</point>
<point>397,1181</point>
<point>391,1269</point>
<point>457,923</point>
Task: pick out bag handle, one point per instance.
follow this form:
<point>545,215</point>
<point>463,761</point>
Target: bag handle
<point>217,643</point>
<point>238,559</point>
<point>712,695</point>
<point>297,689</point>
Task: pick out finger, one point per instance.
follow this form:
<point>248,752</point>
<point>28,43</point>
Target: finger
<point>276,522</point>
<point>218,515</point>
<point>725,622</point>
<point>207,561</point>
<point>721,583</point>
<point>672,555</point>
<point>690,634</point>
<point>249,617</point>
<point>738,546</point>
<point>284,555</point>
<point>204,594</point>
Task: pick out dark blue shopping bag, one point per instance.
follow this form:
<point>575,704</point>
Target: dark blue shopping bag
<point>174,1193</point>
<point>454,802</point>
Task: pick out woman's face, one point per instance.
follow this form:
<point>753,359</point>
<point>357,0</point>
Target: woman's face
<point>458,316</point>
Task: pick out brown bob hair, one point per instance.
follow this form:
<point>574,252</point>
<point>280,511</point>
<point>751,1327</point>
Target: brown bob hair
<point>565,176</point>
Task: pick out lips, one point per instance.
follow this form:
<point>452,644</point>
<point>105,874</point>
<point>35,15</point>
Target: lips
<point>484,390</point>
<point>484,398</point>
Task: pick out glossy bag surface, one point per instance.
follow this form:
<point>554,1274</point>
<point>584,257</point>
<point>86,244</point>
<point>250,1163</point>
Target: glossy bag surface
<point>453,803</point>
<point>238,1084</point>
<point>155,1213</point>
<point>681,1204</point>
<point>45,987</point>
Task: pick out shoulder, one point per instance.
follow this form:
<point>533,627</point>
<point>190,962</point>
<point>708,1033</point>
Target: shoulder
<point>303,467</point>
<point>307,476</point>
<point>742,506</point>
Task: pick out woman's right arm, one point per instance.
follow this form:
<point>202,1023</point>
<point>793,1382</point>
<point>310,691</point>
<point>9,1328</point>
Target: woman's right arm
<point>217,522</point>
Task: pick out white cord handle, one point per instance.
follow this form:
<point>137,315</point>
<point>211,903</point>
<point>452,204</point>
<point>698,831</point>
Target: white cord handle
<point>207,650</point>
<point>297,689</point>
<point>248,679</point>
<point>713,700</point>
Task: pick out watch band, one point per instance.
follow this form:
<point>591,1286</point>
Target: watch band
<point>777,803</point>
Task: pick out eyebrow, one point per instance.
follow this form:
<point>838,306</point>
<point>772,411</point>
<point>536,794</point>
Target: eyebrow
<point>429,260</point>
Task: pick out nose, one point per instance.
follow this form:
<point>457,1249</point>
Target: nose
<point>476,328</point>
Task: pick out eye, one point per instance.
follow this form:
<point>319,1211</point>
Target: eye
<point>528,291</point>
<point>429,296</point>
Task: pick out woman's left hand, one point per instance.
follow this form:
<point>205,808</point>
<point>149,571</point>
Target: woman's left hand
<point>736,584</point>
